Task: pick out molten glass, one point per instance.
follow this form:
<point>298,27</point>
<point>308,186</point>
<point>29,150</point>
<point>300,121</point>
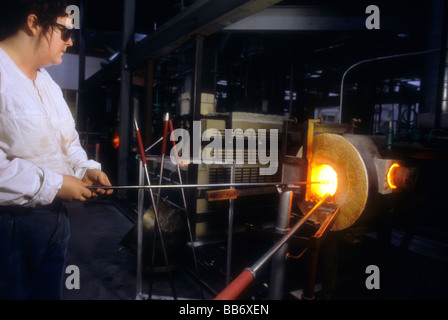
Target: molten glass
<point>390,175</point>
<point>328,178</point>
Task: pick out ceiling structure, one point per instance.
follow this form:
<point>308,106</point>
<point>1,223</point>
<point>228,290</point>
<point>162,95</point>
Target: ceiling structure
<point>316,41</point>
<point>316,27</point>
<point>265,50</point>
<point>320,35</point>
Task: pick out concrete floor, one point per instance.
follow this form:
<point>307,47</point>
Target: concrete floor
<point>107,271</point>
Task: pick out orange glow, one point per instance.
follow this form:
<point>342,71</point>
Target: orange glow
<point>116,142</point>
<point>390,175</point>
<point>328,178</point>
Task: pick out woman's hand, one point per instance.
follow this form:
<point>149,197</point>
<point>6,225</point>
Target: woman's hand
<point>95,177</point>
<point>73,189</point>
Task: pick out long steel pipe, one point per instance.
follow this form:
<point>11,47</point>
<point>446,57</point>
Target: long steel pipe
<point>248,275</point>
<point>212,185</point>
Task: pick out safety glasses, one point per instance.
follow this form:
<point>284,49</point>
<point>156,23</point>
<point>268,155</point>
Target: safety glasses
<point>66,33</point>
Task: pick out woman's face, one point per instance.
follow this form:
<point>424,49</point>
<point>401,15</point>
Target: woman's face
<point>52,46</point>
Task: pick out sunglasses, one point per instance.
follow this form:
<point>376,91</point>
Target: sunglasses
<point>66,33</point>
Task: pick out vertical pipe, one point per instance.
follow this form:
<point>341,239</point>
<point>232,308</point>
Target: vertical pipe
<point>278,260</point>
<point>197,79</point>
<point>443,67</point>
<point>82,64</point>
<point>125,89</point>
<point>195,113</point>
<point>141,181</point>
<point>291,88</point>
<point>230,229</point>
<point>149,82</point>
<point>313,255</point>
<point>283,146</point>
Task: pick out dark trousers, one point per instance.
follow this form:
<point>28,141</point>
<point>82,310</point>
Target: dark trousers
<point>33,247</point>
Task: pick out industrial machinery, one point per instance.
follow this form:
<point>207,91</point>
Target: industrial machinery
<point>359,174</point>
<point>355,179</point>
<point>336,181</point>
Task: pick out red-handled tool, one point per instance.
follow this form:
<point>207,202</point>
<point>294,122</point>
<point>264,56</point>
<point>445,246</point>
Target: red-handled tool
<point>237,286</point>
<point>156,213</point>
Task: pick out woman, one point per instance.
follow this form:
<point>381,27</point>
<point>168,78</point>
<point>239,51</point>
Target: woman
<point>42,163</point>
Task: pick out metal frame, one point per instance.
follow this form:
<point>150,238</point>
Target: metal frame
<point>233,290</point>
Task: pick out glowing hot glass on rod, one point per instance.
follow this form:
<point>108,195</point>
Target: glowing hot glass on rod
<point>329,178</point>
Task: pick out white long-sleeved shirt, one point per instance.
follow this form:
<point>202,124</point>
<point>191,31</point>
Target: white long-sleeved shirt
<point>38,139</point>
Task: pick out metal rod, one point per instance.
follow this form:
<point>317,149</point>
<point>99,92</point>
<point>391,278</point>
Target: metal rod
<point>153,145</point>
<point>126,100</point>
<point>141,180</point>
<point>162,162</point>
<point>187,217</point>
<point>162,157</point>
<point>278,259</point>
<point>286,237</point>
<point>248,275</point>
<point>308,291</point>
<point>156,214</point>
<point>241,184</point>
<point>230,230</point>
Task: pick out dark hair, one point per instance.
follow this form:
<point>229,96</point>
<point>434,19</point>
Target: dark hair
<point>13,14</point>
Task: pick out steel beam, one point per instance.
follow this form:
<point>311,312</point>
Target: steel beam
<point>203,17</point>
<point>125,90</point>
<point>315,18</point>
<point>82,65</point>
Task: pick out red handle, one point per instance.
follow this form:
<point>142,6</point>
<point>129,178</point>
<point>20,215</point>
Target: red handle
<point>234,289</point>
<point>165,135</point>
<point>140,143</point>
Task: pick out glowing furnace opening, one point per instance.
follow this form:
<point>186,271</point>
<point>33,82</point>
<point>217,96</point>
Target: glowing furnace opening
<point>328,178</point>
<point>391,175</point>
